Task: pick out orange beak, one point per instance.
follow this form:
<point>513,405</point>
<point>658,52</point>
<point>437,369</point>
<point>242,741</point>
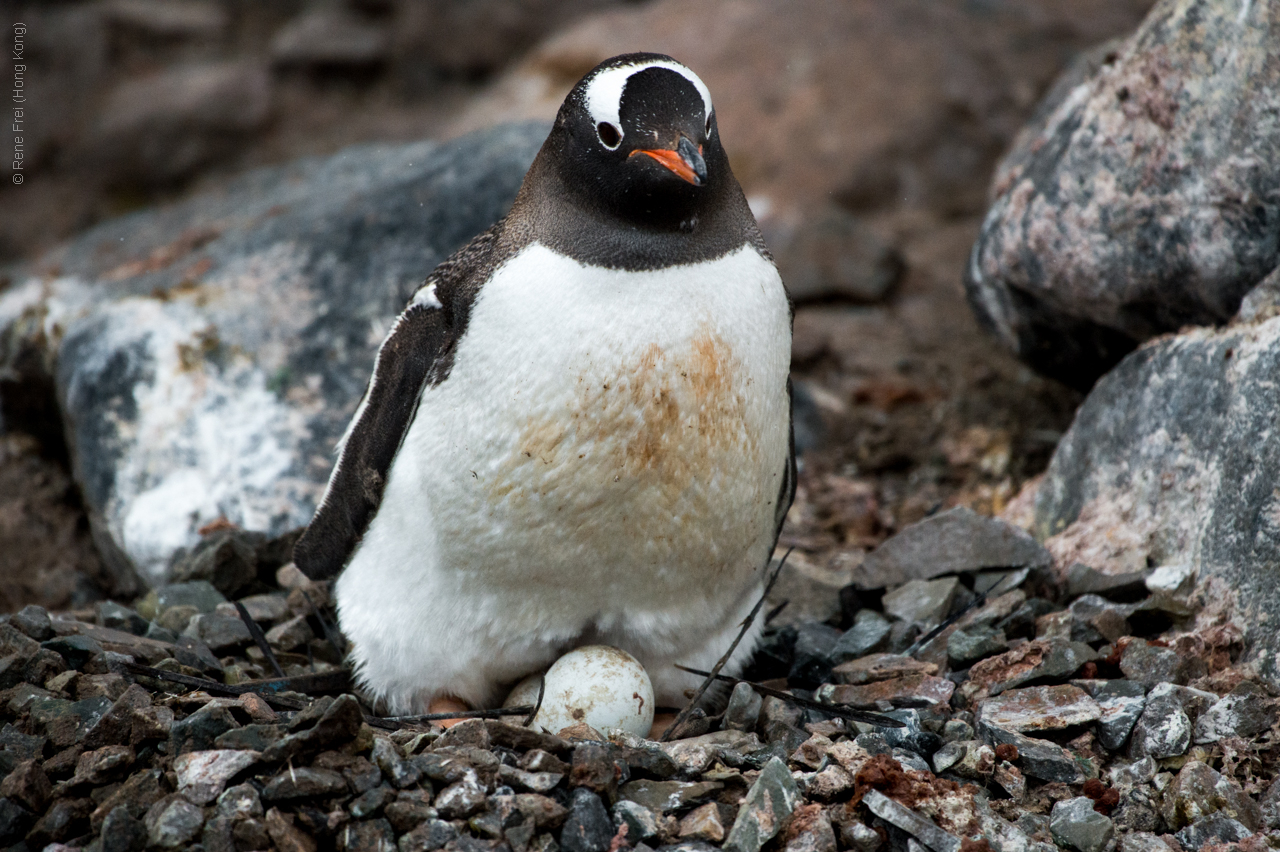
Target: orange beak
<point>685,162</point>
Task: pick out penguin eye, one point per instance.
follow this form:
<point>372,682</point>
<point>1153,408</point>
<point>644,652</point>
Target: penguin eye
<point>610,135</point>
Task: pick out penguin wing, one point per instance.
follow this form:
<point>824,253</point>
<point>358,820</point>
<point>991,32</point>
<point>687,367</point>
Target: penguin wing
<point>417,352</point>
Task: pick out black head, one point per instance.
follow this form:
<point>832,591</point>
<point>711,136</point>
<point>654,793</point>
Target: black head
<point>637,139</point>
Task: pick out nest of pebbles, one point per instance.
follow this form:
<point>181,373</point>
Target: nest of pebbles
<point>1112,713</point>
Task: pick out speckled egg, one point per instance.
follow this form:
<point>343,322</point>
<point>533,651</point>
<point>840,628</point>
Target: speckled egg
<point>601,686</point>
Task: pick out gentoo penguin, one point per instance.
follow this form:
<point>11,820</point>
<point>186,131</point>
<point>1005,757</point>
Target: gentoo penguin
<point>579,429</point>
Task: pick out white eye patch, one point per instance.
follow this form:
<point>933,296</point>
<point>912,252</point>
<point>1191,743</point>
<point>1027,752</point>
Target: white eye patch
<point>603,95</point>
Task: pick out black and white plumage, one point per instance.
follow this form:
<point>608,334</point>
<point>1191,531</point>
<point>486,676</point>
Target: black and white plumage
<point>579,430</point>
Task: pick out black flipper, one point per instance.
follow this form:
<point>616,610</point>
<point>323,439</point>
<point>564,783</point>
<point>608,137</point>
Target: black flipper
<point>418,352</point>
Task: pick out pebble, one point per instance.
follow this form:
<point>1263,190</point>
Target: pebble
<point>462,798</point>
<point>811,659</point>
<point>198,731</point>
<point>642,822</point>
<point>1150,664</point>
<point>304,782</point>
<point>1121,702</point>
<point>880,666</point>
<point>121,832</point>
<point>919,827</point>
<point>119,617</point>
<point>1244,714</point>
<point>223,634</point>
<point>743,710</point>
<point>968,645</point>
<point>1198,790</point>
<point>199,593</point>
<point>338,723</point>
<point>664,796</point>
<point>1076,825</point>
<point>810,830</point>
<point>765,810</point>
<point>924,602</point>
<point>1038,758</point>
<point>1039,708</point>
<point>702,823</point>
<point>1218,828</point>
<point>34,622</point>
<point>202,775</point>
<point>173,823</point>
<point>868,633</point>
<point>587,828</point>
<point>915,690</point>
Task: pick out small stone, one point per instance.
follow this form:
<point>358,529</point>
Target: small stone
<point>587,827</point>
<point>971,759</point>
<point>371,801</point>
<point>338,723</point>
<point>912,736</point>
<point>242,800</point>
<point>100,765</point>
<point>1150,664</point>
<point>33,621</point>
<point>1199,790</point>
<point>765,810</point>
<point>249,738</point>
<point>176,619</point>
<point>264,609</point>
<point>64,820</point>
<point>395,768</point>
<point>1038,758</point>
<point>1040,659</point>
<point>810,831</point>
<point>121,832</point>
<point>910,691</point>
<point>869,632</point>
<point>919,827</point>
<point>1085,580</point>
<point>594,768</point>
<point>202,775</point>
<point>198,731</point>
<point>290,635</point>
<point>1038,708</point>
<point>1142,841</point>
<point>811,657</point>
<point>173,823</point>
<point>226,559</point>
<point>370,835</point>
<point>223,634</point>
<point>924,602</point>
<point>534,782</point>
<point>702,823</point>
<point>410,809</point>
<point>286,836</point>
<point>664,796</point>
<point>304,782</point>
<point>860,837</point>
<point>28,785</point>
<point>429,836</point>
<point>1163,729</point>
<point>14,821</point>
<point>955,730</point>
<point>462,798</point>
<point>1076,825</point>
<point>1176,579</point>
<point>1269,806</point>
<point>909,759</point>
<point>882,666</point>
<point>1237,715</point>
<point>1124,775</point>
<point>193,653</point>
<point>696,754</point>
<point>968,645</point>
<point>76,650</point>
<point>199,594</point>
<point>1218,828</point>
<point>1009,778</point>
<point>119,617</point>
<point>642,823</point>
<point>743,710</point>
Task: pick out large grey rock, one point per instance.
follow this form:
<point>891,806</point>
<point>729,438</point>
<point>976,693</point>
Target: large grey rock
<point>1140,199</point>
<point>1173,459</point>
<point>208,355</point>
<point>956,540</point>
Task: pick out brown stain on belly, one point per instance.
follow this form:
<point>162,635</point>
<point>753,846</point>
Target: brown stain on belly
<point>664,417</point>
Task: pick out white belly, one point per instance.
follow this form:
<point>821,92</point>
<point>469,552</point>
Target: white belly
<point>604,460</point>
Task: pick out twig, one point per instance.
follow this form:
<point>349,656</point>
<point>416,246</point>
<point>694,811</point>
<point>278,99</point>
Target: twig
<point>715,670</point>
<point>830,709</point>
<point>542,689</point>
<point>259,639</point>
<point>263,689</point>
<point>522,710</point>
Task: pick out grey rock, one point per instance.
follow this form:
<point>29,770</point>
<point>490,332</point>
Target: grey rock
<point>812,655</point>
<point>222,633</point>
<point>14,821</point>
<point>198,731</point>
<point>1152,664</point>
<point>642,823</point>
<point>1076,825</point>
<point>1086,580</point>
<point>1242,714</point>
<point>956,730</point>
<point>338,723</point>
<point>242,800</point>
<point>1124,775</point>
<point>76,650</point>
<point>587,828</point>
<point>121,832</point>
<point>429,836</point>
<point>199,594</point>
<point>291,635</point>
<point>260,308</point>
<point>410,809</point>
<point>1142,841</point>
<point>1138,810</point>
<point>370,835</point>
<point>304,782</point>
<point>1199,791</point>
<point>868,633</point>
<point>534,782</point>
<point>226,559</point>
<point>173,822</point>
<point>119,617</point>
<point>909,759</point>
<point>1095,618</point>
<point>664,796</point>
<point>765,810</point>
<point>811,831</point>
<point>202,775</point>
<point>948,543</point>
<point>1195,411</point>
<point>966,758</point>
<point>1040,758</point>
<point>924,602</point>
<point>461,798</point>
<point>966,646</point>
<point>371,801</point>
<point>1096,240</point>
<point>33,621</point>
<point>258,737</point>
<point>1269,806</point>
<point>1165,727</point>
<point>859,836</point>
<point>1217,827</point>
<point>922,828</point>
<point>743,709</point>
<point>1036,708</point>
<point>400,772</point>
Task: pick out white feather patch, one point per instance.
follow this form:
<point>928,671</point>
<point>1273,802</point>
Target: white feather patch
<point>604,93</point>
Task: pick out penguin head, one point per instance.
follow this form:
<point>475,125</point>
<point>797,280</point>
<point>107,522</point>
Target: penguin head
<point>637,138</point>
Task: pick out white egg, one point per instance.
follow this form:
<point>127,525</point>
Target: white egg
<point>600,686</point>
